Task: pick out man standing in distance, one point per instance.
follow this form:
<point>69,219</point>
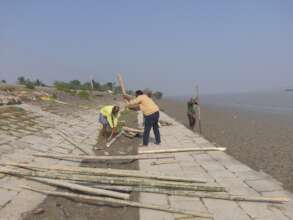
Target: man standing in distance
<point>191,112</point>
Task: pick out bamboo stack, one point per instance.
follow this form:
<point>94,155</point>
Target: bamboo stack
<point>111,186</point>
<point>67,175</point>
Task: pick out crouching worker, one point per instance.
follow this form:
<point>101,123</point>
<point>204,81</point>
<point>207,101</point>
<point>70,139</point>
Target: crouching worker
<point>151,115</point>
<point>109,119</point>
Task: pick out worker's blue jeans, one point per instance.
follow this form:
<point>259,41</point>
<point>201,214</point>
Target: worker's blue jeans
<point>151,121</point>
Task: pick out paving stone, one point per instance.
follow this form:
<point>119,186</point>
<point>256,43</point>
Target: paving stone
<point>158,199</point>
<point>260,210</point>
<point>4,138</point>
<point>170,168</point>
<point>220,174</point>
<point>5,149</point>
<point>251,175</point>
<point>184,157</point>
<point>236,186</point>
<point>6,196</point>
<point>285,208</point>
<point>21,203</point>
<point>225,210</point>
<point>263,185</point>
<point>188,204</point>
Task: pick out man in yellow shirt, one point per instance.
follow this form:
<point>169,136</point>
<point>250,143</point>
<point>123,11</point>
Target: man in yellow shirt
<point>151,115</point>
<point>109,118</point>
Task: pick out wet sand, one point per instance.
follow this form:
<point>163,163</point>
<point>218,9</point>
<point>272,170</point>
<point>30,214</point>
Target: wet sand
<point>263,141</point>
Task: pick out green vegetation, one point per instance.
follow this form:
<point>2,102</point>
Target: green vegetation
<point>3,81</point>
<point>83,94</point>
<point>29,83</point>
<point>76,87</point>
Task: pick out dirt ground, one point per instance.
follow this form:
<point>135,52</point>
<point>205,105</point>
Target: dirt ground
<point>61,208</point>
<point>263,141</point>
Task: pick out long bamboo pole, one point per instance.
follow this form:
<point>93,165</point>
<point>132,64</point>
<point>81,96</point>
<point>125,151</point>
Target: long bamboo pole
<point>121,83</point>
<point>99,158</point>
<point>198,109</point>
<point>107,172</point>
<point>115,180</point>
<point>135,130</point>
<point>97,199</point>
<point>225,196</point>
<point>177,150</point>
<point>114,139</point>
<point>81,188</point>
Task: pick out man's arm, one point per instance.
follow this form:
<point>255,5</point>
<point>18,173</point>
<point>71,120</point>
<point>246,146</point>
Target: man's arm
<point>134,102</point>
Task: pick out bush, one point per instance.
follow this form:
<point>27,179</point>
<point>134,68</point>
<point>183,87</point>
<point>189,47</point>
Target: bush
<point>21,80</point>
<point>83,94</point>
<point>54,96</point>
<point>62,86</point>
<point>29,84</point>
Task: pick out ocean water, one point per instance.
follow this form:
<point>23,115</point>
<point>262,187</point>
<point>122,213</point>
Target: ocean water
<point>278,102</point>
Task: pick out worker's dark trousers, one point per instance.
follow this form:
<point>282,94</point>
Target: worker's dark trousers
<point>151,121</point>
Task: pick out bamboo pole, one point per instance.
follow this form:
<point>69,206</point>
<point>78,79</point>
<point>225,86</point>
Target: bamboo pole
<point>98,158</point>
<point>97,199</point>
<point>114,139</point>
<point>198,109</point>
<point>225,196</point>
<point>121,83</point>
<point>129,134</point>
<point>177,150</point>
<point>107,172</point>
<point>135,130</point>
<point>128,181</point>
<point>81,188</point>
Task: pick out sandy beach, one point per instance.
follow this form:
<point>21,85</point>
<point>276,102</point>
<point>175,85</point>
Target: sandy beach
<point>263,141</point>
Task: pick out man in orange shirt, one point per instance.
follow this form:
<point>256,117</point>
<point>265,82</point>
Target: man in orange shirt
<point>151,115</point>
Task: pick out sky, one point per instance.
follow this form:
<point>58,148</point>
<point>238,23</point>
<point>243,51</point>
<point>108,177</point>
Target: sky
<point>168,45</point>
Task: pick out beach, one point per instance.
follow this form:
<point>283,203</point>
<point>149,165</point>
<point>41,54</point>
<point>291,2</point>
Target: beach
<point>261,140</point>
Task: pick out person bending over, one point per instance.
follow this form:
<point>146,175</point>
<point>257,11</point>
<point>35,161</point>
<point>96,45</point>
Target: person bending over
<point>109,119</point>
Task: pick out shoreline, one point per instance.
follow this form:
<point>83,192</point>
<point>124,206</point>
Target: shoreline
<point>262,141</point>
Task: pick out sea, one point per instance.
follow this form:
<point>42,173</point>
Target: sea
<point>277,102</point>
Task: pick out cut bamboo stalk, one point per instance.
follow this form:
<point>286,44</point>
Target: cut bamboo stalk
<point>107,172</point>
<point>81,188</point>
<point>128,181</point>
<point>195,194</point>
<point>129,134</point>
<point>114,139</point>
<point>163,162</point>
<point>176,150</point>
<point>98,200</point>
<point>98,158</point>
<point>121,83</point>
<point>135,130</point>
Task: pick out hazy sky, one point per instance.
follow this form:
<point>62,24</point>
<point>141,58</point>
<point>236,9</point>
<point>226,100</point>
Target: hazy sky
<point>224,46</point>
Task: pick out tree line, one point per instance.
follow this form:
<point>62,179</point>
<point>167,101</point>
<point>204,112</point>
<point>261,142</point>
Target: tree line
<point>76,85</point>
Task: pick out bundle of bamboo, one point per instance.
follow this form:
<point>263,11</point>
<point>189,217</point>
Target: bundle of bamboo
<point>109,186</point>
<point>112,180</point>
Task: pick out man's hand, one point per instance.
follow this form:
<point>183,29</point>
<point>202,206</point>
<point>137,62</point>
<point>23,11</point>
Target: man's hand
<point>126,97</point>
<point>114,131</point>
